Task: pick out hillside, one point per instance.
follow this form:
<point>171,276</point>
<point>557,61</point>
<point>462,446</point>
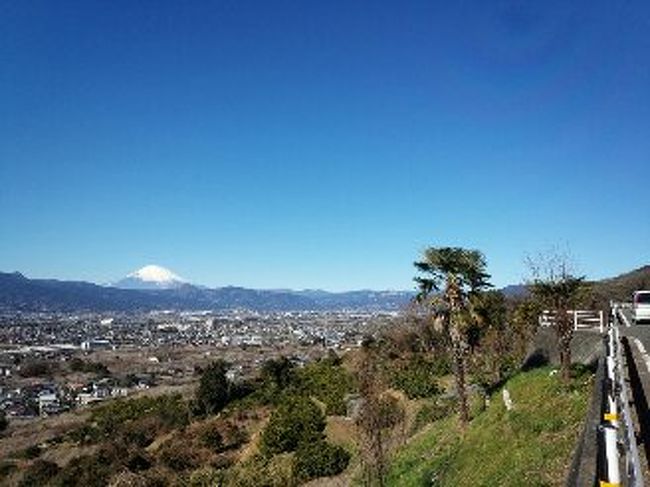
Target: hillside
<point>620,288</point>
<point>530,445</point>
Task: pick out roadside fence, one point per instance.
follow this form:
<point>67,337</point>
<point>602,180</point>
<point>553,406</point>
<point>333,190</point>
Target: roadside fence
<point>619,462</point>
<point>582,319</point>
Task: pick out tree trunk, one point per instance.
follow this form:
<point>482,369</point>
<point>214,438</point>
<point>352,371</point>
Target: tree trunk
<point>458,350</point>
<point>565,335</point>
<point>459,373</point>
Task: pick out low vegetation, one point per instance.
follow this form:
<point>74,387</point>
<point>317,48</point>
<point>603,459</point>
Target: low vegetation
<point>420,405</point>
<point>530,445</point>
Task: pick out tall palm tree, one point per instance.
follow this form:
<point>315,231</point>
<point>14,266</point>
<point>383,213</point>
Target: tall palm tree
<point>450,278</point>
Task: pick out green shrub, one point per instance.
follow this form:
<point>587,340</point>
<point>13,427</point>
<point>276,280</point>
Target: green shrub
<point>37,368</point>
<point>319,459</point>
<point>179,456</point>
<point>96,469</point>
<point>87,470</point>
<point>39,473</point>
<point>79,365</point>
<point>417,378</point>
<point>31,452</point>
<point>279,372</point>
<point>298,419</point>
<point>222,436</point>
<point>223,461</point>
<point>170,411</point>
<point>141,432</point>
<point>84,434</point>
<point>213,392</point>
<point>433,411</point>
<point>158,476</point>
<point>278,378</point>
<point>211,437</point>
<point>329,383</point>
<point>206,477</point>
<point>6,469</point>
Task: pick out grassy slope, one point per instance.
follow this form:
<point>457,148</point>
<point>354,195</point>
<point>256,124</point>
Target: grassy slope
<point>528,446</point>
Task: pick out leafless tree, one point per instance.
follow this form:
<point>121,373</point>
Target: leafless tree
<point>556,288</point>
<point>381,420</point>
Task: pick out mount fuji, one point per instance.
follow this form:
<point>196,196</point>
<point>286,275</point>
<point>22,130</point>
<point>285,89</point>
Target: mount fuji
<point>151,277</point>
<point>154,287</point>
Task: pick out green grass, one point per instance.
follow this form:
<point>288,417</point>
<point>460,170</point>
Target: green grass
<point>529,446</point>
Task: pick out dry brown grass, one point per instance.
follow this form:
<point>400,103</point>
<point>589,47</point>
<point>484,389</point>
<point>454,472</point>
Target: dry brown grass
<point>341,431</point>
<point>23,433</point>
<point>62,454</point>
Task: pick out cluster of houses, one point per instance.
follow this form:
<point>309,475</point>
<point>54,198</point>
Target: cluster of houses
<point>46,399</point>
<point>33,397</point>
<point>55,338</point>
<point>239,328</point>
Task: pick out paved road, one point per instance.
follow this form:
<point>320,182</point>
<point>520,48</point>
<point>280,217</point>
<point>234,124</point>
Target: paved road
<point>639,338</point>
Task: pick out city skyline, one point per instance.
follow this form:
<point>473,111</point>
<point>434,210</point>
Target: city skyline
<point>321,145</point>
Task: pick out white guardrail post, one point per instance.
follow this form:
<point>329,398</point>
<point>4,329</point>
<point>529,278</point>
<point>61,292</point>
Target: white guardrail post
<point>612,476</point>
<point>633,463</point>
<point>617,430</point>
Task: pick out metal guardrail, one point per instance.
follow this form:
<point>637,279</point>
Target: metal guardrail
<point>617,439</point>
<point>582,319</point>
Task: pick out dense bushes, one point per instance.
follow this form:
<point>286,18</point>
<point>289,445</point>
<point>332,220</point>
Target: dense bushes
<point>297,425</point>
<point>178,456</point>
<point>319,459</point>
<point>329,383</point>
<point>205,451</point>
<point>79,365</point>
<point>417,377</point>
<point>433,410</point>
<point>220,436</point>
<point>39,473</point>
<point>325,380</point>
<point>298,419</point>
<point>158,414</point>
<point>38,368</point>
<point>87,471</point>
<point>216,391</point>
<point>278,373</point>
<point>206,477</point>
<point>31,452</point>
<point>213,392</point>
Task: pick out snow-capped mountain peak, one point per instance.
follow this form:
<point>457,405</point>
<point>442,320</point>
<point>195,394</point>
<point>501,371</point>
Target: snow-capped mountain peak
<point>151,277</point>
<point>155,273</point>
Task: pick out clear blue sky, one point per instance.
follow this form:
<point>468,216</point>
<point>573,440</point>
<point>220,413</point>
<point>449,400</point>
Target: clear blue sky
<point>321,143</point>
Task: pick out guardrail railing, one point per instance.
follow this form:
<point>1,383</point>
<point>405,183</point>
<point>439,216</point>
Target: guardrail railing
<point>617,438</point>
<point>582,319</point>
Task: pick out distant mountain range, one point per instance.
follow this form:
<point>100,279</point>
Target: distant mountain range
<point>154,287</point>
<point>618,288</point>
<point>140,291</point>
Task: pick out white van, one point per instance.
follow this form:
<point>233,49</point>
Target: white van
<point>641,306</point>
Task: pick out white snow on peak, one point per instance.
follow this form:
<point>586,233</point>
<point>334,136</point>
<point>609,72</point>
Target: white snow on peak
<point>155,273</point>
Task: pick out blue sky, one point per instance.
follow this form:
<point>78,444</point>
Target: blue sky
<point>321,144</point>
